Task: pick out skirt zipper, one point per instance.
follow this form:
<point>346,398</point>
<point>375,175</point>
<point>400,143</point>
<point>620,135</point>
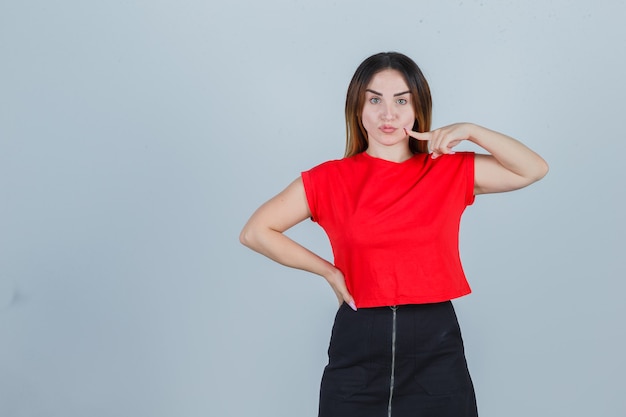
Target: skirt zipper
<point>393,359</point>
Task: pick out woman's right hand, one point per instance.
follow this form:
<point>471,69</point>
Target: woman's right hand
<point>264,234</point>
<point>338,283</point>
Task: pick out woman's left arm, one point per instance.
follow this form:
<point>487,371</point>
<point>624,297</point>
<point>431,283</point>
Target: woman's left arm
<point>511,164</point>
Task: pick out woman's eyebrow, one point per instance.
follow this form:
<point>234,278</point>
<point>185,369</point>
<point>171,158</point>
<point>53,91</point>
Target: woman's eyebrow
<point>395,95</point>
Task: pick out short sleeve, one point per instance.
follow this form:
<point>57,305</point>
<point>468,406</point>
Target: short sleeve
<point>310,191</point>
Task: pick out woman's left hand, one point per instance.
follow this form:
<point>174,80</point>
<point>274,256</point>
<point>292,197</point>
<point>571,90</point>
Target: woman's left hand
<point>510,165</point>
<point>445,138</point>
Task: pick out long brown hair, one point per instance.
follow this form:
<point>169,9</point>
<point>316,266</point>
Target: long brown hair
<point>356,136</point>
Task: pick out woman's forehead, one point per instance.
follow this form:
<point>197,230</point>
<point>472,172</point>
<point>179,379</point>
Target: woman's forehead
<point>390,80</point>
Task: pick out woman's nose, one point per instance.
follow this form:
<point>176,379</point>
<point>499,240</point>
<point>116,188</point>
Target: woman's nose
<point>387,112</point>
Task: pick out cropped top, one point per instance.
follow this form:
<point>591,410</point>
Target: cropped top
<point>394,227</point>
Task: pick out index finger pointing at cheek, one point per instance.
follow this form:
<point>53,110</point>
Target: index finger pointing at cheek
<point>418,135</point>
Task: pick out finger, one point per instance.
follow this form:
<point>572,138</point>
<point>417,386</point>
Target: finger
<point>435,141</point>
<point>351,304</point>
<point>418,135</point>
<point>341,291</point>
<point>442,143</point>
<point>437,154</point>
<point>348,299</point>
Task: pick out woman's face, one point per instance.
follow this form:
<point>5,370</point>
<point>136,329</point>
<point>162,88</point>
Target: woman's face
<point>388,109</point>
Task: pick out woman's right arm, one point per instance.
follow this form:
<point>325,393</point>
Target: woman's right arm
<point>263,233</point>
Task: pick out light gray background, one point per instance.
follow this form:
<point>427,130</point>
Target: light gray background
<point>136,137</point>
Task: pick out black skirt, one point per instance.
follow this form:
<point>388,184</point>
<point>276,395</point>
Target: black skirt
<point>397,362</point>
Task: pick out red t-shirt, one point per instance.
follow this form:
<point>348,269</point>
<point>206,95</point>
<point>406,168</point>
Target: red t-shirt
<point>394,227</point>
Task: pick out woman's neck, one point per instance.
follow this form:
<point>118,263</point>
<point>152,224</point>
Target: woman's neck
<point>390,153</point>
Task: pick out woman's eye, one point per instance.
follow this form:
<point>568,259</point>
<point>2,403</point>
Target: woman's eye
<point>402,101</point>
<point>374,100</point>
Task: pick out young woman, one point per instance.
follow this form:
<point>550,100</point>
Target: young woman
<point>391,208</point>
